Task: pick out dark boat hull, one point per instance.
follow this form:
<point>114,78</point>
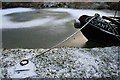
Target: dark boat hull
<point>95,34</point>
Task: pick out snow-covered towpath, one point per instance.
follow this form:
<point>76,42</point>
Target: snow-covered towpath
<point>63,62</point>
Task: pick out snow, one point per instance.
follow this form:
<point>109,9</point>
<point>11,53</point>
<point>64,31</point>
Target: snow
<point>61,21</point>
<point>14,72</point>
<point>75,14</point>
<point>36,22</point>
<point>61,62</point>
<point>15,10</point>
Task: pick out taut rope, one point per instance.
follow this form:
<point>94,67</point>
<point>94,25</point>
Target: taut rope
<point>67,37</point>
<point>26,60</point>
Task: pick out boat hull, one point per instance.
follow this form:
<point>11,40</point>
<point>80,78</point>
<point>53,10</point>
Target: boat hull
<point>95,34</point>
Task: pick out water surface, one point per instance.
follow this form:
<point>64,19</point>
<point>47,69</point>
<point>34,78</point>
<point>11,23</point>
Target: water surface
<point>42,28</point>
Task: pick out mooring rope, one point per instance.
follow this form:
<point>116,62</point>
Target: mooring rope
<point>115,16</point>
<point>24,61</point>
<point>115,32</point>
<point>67,37</point>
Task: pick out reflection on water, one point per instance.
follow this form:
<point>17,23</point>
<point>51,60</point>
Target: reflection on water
<point>30,28</point>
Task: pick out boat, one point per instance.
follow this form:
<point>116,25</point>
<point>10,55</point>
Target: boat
<point>103,30</point>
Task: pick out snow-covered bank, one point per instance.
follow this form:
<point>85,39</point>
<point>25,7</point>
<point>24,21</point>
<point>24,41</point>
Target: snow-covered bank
<point>64,62</point>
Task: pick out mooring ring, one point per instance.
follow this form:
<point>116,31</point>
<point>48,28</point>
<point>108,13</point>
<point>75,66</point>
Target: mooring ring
<point>24,62</point>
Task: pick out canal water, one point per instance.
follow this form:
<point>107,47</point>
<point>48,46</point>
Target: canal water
<point>43,28</point>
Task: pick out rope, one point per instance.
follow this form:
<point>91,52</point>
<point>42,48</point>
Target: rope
<point>115,16</point>
<point>115,13</point>
<point>115,32</point>
<point>66,38</point>
<point>116,9</point>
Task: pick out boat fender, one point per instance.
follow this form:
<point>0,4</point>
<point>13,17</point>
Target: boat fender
<point>77,23</point>
<point>97,15</point>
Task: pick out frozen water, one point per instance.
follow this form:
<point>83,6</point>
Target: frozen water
<point>15,10</point>
<point>36,22</point>
<point>75,13</point>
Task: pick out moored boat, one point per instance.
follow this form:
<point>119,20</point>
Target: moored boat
<point>104,30</point>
